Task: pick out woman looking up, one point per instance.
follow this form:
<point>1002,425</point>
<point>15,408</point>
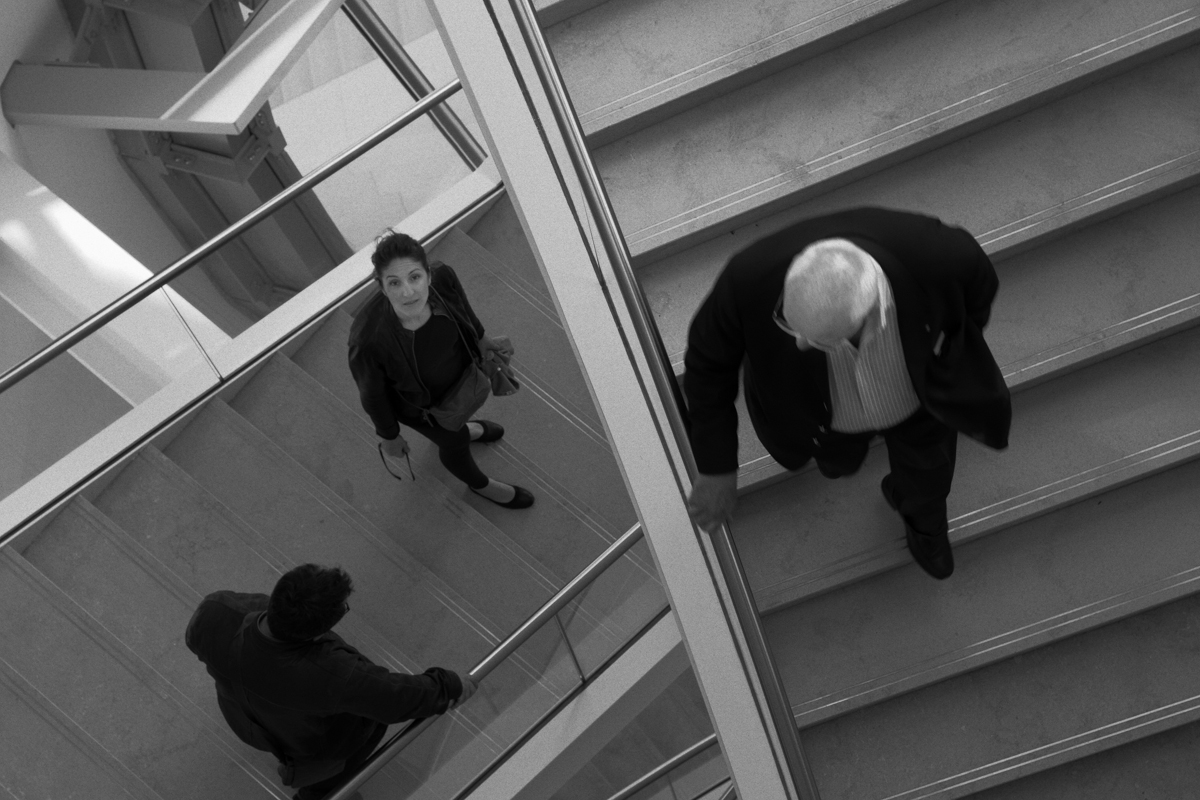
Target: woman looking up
<point>408,348</point>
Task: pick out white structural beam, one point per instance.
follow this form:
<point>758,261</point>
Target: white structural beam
<point>522,136</point>
<point>221,102</point>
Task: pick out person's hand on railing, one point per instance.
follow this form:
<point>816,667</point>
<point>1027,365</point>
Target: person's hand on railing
<point>469,687</point>
<point>395,449</point>
<point>713,499</point>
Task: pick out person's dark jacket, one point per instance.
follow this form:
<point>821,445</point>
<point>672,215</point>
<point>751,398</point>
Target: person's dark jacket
<point>387,382</point>
<point>320,699</point>
<point>943,285</point>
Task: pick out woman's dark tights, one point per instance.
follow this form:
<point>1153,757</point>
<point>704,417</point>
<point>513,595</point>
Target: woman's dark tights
<point>454,450</point>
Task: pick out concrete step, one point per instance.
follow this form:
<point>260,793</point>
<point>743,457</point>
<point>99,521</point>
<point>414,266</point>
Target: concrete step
<point>499,232</point>
<point>1159,767</point>
<point>1073,301</point>
<point>858,109</point>
<point>631,63</point>
<point>126,708</point>
<point>47,755</point>
<point>404,602</point>
<point>467,554</point>
<point>1079,696</point>
<point>195,541</point>
<point>1018,184</point>
<point>1078,567</point>
<point>1077,436</point>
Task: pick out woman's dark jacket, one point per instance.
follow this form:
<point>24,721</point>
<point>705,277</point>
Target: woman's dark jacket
<point>388,385</point>
<point>304,701</point>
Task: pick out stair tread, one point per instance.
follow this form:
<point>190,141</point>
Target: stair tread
<point>1075,568</point>
<point>1006,710</point>
<point>1160,767</point>
<point>133,717</point>
<point>629,58</point>
<point>1061,429</point>
<point>757,148</point>
<point>45,755</point>
<point>1090,143</point>
<point>239,466</point>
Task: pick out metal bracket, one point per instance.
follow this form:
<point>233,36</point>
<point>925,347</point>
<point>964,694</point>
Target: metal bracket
<point>261,137</point>
<point>184,12</point>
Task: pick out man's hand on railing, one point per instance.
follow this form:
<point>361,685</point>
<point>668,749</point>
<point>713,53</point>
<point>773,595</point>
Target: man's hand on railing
<point>713,499</point>
<point>469,687</point>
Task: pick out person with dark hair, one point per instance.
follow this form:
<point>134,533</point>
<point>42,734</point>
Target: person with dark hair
<point>410,345</point>
<point>287,684</point>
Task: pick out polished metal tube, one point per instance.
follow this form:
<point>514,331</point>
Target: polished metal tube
<point>665,767</point>
<point>744,606</point>
<point>393,55</point>
<point>143,290</point>
<point>510,645</point>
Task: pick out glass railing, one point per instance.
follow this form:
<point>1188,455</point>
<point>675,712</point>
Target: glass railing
<point>696,773</point>
<point>525,680</point>
<point>99,335</point>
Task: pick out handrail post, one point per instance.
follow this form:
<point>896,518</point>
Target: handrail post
<point>393,55</point>
<point>745,608</point>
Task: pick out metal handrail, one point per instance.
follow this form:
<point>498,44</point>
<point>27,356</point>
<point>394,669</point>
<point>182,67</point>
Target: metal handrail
<point>665,767</point>
<point>392,54</point>
<point>744,606</point>
<point>143,290</point>
<point>234,374</point>
<point>402,738</point>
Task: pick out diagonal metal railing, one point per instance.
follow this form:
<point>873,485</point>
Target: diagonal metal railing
<point>143,290</point>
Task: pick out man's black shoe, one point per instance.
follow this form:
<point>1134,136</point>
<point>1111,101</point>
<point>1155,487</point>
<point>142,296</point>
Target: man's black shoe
<point>831,470</point>
<point>931,551</point>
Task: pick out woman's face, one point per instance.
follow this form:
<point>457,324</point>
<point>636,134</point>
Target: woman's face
<point>406,284</point>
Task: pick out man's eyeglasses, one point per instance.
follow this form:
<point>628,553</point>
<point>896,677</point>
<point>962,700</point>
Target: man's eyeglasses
<point>801,342</point>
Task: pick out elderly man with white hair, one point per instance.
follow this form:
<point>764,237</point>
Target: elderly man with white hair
<point>858,324</point>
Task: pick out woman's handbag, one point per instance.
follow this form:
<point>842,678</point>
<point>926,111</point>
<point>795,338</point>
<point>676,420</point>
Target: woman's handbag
<point>466,397</point>
<point>498,368</point>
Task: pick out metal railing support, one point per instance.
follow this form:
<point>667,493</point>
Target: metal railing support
<point>745,608</point>
<point>143,290</point>
<point>392,53</point>
<point>561,599</point>
<point>665,767</point>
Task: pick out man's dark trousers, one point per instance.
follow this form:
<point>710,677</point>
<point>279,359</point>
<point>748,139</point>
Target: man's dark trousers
<point>921,452</point>
<point>354,761</point>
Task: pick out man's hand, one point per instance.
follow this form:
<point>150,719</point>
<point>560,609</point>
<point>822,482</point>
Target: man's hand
<point>713,499</point>
<point>469,687</point>
<point>395,449</point>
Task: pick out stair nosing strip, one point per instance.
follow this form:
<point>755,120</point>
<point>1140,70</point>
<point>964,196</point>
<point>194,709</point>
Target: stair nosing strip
<point>1039,759</point>
<point>1023,90</point>
<point>1058,494</point>
<point>154,681</point>
<point>783,42</point>
<point>414,569</point>
<point>537,297</point>
<point>484,527</point>
<point>73,732</point>
<point>1025,638</point>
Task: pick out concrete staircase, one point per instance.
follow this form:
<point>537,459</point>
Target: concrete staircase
<point>100,697</point>
<point>1059,660</point>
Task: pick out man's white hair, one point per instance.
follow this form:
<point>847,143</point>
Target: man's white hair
<point>831,284</point>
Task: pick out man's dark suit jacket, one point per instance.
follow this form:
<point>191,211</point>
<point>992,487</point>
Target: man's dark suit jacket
<point>942,283</point>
